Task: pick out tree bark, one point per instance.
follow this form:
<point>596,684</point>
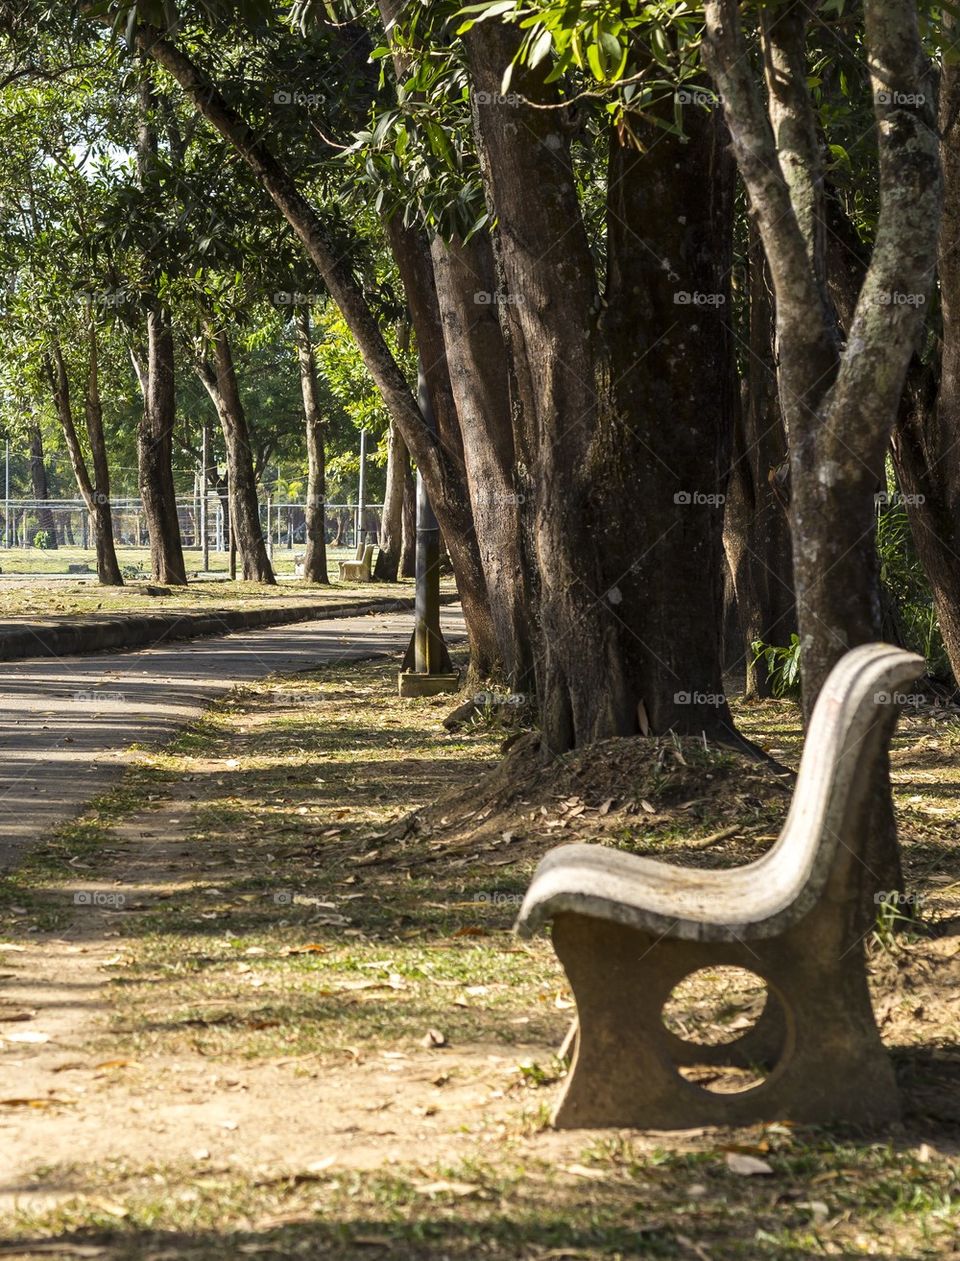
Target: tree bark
<point>756,527</point>
<point>408,547</point>
<point>155,452</point>
<point>666,447</point>
<point>411,253</point>
<point>108,568</point>
<point>108,571</point>
<point>479,380</point>
<point>391,526</point>
<point>220,380</point>
<point>925,447</point>
<point>624,643</point>
<point>315,556</point>
<point>41,489</point>
<point>840,409</point>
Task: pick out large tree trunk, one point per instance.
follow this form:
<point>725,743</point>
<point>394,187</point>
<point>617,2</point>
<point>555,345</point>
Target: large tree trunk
<point>391,526</point>
<point>664,455</point>
<point>839,408</point>
<point>220,380</point>
<point>411,253</point>
<point>756,527</point>
<point>479,379</point>
<point>619,443</point>
<point>41,489</point>
<point>925,446</point>
<point>315,557</point>
<point>155,452</point>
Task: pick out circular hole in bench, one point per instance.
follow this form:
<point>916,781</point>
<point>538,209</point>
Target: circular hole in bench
<point>711,1010</point>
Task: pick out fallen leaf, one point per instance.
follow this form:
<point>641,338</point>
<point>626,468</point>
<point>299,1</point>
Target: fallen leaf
<point>584,1171</point>
<point>49,1101</point>
<point>433,1037</point>
<point>118,1064</point>
<point>817,1209</point>
<point>459,1189</point>
<point>747,1166</point>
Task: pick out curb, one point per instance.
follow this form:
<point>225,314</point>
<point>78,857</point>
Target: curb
<point>103,633</point>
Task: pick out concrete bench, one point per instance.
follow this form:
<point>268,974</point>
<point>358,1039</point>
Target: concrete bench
<point>628,930</point>
<point>358,570</point>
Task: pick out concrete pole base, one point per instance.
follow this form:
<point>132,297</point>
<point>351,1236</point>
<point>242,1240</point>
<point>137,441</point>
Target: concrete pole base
<point>410,684</point>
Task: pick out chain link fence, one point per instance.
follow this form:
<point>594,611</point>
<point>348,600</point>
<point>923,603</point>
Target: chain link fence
<point>50,524</point>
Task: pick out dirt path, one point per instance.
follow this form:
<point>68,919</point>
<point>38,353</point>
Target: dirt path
<point>66,726</point>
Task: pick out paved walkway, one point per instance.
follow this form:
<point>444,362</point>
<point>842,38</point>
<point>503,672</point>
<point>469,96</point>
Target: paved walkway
<point>66,724</point>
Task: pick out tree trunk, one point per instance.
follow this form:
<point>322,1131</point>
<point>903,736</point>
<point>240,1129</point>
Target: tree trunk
<point>839,403</point>
<point>108,568</point>
<point>408,547</point>
<point>664,453</point>
<point>315,557</point>
<point>479,378</point>
<point>756,527</point>
<point>391,528</point>
<point>155,452</point>
<point>158,383</point>
<point>628,618</point>
<point>411,253</point>
<point>108,571</point>
<point>220,380</point>
<point>41,490</point>
<point>925,447</point>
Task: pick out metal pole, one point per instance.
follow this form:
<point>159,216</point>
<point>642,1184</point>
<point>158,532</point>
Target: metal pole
<point>6,513</point>
<point>205,542</point>
<point>269,535</point>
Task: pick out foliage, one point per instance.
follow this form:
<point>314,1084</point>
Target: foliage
<point>783,666</point>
